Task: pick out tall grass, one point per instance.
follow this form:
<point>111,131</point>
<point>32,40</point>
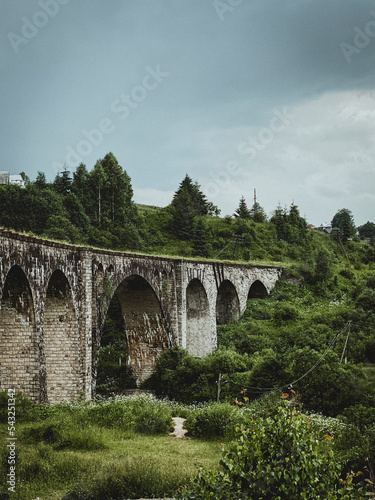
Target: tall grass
<point>101,450</point>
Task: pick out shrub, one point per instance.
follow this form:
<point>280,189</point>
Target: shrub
<point>284,313</point>
<point>366,300</point>
<point>330,387</point>
<point>267,371</point>
<point>24,407</point>
<point>275,457</point>
<point>211,421</point>
<point>136,414</point>
<point>359,415</point>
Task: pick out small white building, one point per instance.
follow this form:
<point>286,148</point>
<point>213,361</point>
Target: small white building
<point>325,228</point>
<point>8,178</point>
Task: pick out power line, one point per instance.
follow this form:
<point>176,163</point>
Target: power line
<point>290,385</point>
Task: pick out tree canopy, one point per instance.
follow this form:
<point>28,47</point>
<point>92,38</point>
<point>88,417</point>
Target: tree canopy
<point>242,210</point>
<point>188,203</point>
<point>344,221</point>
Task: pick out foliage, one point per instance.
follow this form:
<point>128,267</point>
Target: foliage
<point>277,456</point>
<point>344,221</point>
<point>114,374</point>
<point>64,451</point>
<point>290,226</point>
<point>367,231</point>
<point>257,213</point>
<point>211,421</point>
<point>24,407</point>
<point>200,239</point>
<point>188,203</point>
<point>181,377</point>
<point>242,211</point>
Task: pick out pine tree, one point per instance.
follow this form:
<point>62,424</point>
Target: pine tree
<point>40,181</point>
<point>188,203</point>
<point>367,230</point>
<point>82,188</point>
<point>257,213</point>
<point>200,240</point>
<point>63,182</point>
<point>113,192</point>
<point>242,211</point>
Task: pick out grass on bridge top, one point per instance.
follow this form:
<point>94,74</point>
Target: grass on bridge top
<point>257,263</point>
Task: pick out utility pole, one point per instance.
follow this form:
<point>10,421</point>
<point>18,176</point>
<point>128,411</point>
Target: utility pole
<point>255,196</point>
<point>346,346</point>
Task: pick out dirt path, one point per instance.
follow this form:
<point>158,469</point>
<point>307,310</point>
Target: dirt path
<point>178,432</point>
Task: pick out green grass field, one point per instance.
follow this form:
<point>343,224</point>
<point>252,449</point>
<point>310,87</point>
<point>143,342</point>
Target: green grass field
<point>135,465</point>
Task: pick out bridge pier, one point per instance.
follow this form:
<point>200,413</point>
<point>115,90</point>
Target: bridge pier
<point>54,299</point>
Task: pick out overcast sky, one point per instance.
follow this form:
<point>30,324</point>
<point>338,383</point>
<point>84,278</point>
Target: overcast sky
<point>276,95</point>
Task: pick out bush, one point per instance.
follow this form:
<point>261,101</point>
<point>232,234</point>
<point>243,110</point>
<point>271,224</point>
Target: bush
<point>143,414</point>
<point>24,407</point>
<point>359,415</point>
<point>284,313</point>
<point>275,457</point>
<point>330,387</point>
<point>366,300</point>
<point>211,421</point>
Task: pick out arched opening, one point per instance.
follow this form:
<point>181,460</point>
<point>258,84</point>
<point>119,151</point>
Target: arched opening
<point>227,304</point>
<point>114,375</point>
<point>145,332</point>
<point>19,367</point>
<point>198,325</point>
<point>61,341</point>
<point>257,291</point>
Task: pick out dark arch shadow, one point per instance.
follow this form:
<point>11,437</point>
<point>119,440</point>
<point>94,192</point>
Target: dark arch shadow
<point>257,291</point>
<point>227,303</point>
<point>146,333</point>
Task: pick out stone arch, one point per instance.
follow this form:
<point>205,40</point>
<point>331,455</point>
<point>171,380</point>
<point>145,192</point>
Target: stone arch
<point>257,291</point>
<point>146,330</point>
<point>198,324</point>
<point>19,359</point>
<point>61,340</point>
<point>227,303</point>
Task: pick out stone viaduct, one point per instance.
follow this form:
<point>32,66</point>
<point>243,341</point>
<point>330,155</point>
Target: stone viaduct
<point>54,299</point>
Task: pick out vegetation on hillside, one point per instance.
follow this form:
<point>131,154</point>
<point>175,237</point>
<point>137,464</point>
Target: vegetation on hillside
<point>95,207</point>
<point>312,339</point>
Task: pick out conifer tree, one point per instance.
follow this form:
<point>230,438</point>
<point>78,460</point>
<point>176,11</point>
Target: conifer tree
<point>188,203</point>
<point>257,213</point>
<point>242,211</point>
<point>63,182</point>
<point>200,240</point>
<point>113,192</point>
<point>41,181</point>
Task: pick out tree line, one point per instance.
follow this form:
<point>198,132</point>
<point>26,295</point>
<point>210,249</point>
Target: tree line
<point>97,208</point>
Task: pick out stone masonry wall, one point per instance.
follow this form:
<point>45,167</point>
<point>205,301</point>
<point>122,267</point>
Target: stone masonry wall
<point>61,341</point>
<point>54,299</point>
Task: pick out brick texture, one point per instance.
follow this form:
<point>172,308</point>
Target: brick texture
<point>54,299</point>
